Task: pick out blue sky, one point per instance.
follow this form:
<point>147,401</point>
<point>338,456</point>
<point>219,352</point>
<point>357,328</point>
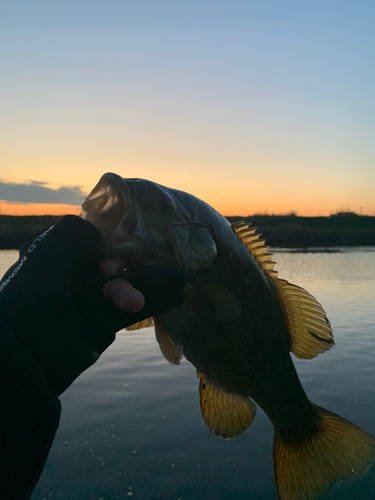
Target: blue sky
<point>207,97</point>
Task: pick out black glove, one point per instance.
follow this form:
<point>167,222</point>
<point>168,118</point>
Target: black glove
<point>52,299</point>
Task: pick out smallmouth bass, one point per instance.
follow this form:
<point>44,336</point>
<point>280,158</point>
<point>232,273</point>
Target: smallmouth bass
<point>237,325</point>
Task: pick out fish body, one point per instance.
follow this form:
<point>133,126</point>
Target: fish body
<point>237,325</point>
<point>248,354</point>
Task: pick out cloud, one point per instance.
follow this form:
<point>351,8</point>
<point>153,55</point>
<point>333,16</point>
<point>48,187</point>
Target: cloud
<point>39,192</point>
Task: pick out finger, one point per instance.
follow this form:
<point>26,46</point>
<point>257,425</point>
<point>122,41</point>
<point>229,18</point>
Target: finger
<point>110,266</point>
<point>123,295</point>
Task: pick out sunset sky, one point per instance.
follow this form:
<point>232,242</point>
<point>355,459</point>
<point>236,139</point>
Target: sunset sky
<point>253,106</point>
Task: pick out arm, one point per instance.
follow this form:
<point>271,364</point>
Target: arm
<point>57,315</point>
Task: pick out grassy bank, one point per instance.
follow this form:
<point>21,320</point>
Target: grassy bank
<point>287,231</point>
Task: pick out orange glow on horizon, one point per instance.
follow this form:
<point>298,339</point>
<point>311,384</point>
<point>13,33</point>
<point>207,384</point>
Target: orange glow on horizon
<point>226,209</point>
<point>38,209</point>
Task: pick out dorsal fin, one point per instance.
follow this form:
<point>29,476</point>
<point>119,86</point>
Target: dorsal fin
<point>309,328</point>
<point>256,247</point>
<point>227,414</point>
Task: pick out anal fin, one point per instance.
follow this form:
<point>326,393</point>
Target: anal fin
<point>227,414</point>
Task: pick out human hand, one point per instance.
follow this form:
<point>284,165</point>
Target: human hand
<point>117,291</point>
<point>59,304</point>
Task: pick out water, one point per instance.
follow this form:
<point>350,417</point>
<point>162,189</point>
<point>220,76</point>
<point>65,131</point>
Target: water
<point>131,425</point>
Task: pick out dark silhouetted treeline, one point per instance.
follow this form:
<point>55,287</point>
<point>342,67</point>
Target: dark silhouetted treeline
<point>16,230</point>
<point>291,231</point>
<point>287,231</point>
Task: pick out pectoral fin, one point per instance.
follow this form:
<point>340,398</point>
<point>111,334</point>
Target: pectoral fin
<point>225,304</point>
<point>225,413</point>
<point>171,351</point>
<point>141,324</point>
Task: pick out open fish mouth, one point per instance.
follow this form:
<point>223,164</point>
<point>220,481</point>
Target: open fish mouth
<point>125,218</point>
<point>108,204</point>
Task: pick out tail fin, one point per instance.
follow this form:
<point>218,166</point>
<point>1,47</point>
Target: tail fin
<point>340,449</point>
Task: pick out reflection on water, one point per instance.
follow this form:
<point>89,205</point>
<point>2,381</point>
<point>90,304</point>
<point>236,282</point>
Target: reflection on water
<point>7,258</point>
<point>131,425</point>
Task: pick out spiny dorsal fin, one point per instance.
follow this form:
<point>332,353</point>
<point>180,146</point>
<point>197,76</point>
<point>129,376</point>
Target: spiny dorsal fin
<point>309,328</point>
<point>256,247</point>
<point>141,324</point>
<point>171,351</point>
<point>225,413</point>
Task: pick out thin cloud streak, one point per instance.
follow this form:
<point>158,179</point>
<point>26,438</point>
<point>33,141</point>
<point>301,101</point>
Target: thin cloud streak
<point>39,192</point>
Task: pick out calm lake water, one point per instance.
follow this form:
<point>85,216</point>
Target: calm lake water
<point>131,425</point>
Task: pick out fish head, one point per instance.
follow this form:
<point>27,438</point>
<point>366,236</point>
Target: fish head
<point>145,223</point>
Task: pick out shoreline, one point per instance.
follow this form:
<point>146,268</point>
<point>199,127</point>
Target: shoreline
<point>280,231</point>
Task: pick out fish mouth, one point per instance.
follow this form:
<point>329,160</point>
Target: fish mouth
<point>108,204</point>
<point>112,207</point>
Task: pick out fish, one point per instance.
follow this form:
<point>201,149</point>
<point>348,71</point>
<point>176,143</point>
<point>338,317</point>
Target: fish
<point>237,324</point>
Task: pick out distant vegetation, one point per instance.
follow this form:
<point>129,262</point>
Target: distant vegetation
<point>16,230</point>
<point>288,231</point>
<point>292,231</point>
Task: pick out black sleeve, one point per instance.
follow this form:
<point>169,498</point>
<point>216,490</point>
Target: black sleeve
<point>54,324</point>
<point>29,418</point>
<point>52,300</point>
